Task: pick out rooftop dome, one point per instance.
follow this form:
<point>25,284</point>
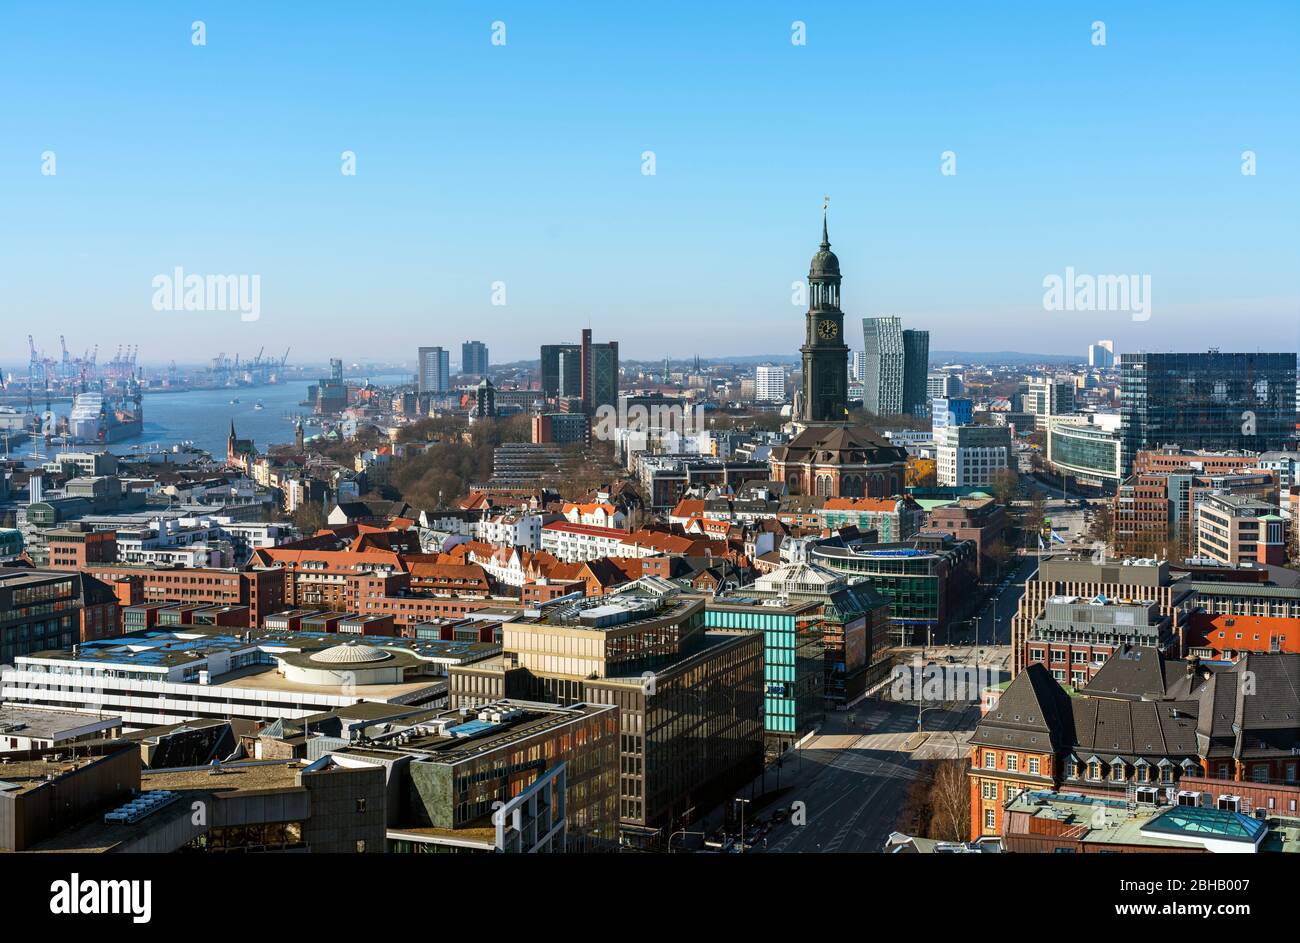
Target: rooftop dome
<point>350,653</point>
<point>825,262</point>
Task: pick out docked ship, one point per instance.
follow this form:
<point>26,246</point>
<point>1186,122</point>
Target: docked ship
<point>99,418</point>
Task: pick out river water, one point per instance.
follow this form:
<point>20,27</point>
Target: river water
<point>203,417</point>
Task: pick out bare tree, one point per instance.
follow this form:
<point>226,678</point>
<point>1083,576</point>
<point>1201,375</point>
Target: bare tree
<point>950,802</point>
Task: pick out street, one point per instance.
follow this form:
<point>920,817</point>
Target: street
<point>861,770</point>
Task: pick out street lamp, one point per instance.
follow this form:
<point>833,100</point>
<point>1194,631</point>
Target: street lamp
<point>743,803</point>
<point>920,712</point>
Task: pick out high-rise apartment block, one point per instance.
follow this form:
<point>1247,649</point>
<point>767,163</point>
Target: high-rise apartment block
<point>435,370</point>
<point>474,358</point>
<point>769,384</point>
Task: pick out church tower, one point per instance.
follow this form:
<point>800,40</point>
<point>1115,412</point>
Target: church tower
<point>830,456</point>
<point>825,355</point>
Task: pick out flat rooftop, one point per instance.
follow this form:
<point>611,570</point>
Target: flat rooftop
<point>181,645</point>
<point>35,723</point>
<point>1161,826</point>
<point>95,835</point>
<point>475,737</point>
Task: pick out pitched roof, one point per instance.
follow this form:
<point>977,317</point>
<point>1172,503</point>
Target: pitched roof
<point>1132,673</point>
<point>1032,714</point>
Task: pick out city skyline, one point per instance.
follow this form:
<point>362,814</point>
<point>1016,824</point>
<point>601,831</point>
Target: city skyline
<point>528,183</point>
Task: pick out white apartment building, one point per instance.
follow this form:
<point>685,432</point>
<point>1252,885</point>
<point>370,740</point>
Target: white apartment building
<point>769,384</point>
<point>511,530</point>
<point>969,456</point>
<point>575,543</point>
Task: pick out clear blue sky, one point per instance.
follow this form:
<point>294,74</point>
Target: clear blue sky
<point>522,164</point>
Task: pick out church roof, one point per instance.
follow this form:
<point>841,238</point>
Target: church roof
<point>841,444</point>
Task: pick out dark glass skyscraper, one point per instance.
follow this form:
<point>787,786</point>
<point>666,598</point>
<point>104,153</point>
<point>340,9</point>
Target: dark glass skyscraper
<point>561,370</point>
<point>599,373</point>
<point>474,358</point>
<point>916,368</point>
<point>1206,401</point>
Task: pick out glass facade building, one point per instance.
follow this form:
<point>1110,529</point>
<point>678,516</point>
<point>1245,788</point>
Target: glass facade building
<point>1090,454</point>
<point>1211,401</point>
<point>922,580</point>
<point>793,660</point>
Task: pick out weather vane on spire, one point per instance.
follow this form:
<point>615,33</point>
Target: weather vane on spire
<point>826,204</point>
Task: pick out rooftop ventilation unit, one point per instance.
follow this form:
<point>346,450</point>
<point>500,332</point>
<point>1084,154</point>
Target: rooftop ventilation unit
<point>145,804</point>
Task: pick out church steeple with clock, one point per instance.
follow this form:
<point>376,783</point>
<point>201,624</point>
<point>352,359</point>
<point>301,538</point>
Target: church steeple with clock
<point>830,455</point>
<point>825,355</point>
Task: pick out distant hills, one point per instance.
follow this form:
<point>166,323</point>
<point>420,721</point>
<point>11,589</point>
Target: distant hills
<point>1009,357</point>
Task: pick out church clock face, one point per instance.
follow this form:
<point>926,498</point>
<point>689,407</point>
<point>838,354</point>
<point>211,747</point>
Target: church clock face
<point>827,330</point>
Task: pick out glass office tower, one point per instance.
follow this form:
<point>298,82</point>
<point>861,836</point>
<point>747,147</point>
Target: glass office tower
<point>1211,401</point>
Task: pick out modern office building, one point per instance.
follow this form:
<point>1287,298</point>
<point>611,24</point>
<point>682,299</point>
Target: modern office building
<point>769,384</point>
<point>599,373</point>
<point>950,411</point>
<point>942,384</point>
<point>1088,453</point>
<point>854,625</point>
<point>100,800</point>
<point>970,456</point>
<point>1235,529</point>
<point>1075,636</point>
<point>858,367</point>
<point>561,370</point>
<point>587,372</point>
<point>455,766</point>
<point>485,400</point>
<point>882,393</point>
<point>916,364</point>
<point>689,699</point>
<point>1045,397</point>
<point>162,677</point>
<point>434,371</point>
<point>1101,355</point>
<point>44,609</point>
<point>978,518</point>
<point>1086,578</point>
<point>329,395</point>
<point>474,358</point>
<point>794,660</point>
<point>925,579</point>
<point>1219,401</point>
<point>560,428</point>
